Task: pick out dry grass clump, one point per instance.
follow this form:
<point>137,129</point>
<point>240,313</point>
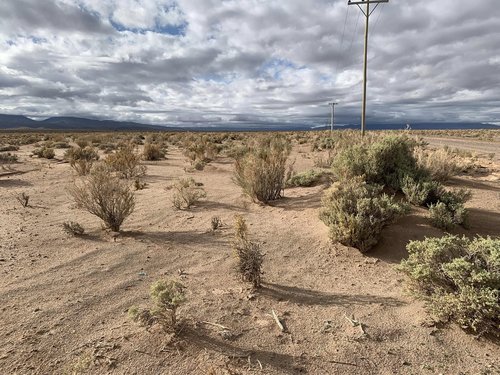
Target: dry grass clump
<point>216,223</point>
<point>7,158</point>
<point>9,148</point>
<point>187,192</point>
<point>104,196</point>
<point>459,279</point>
<point>73,228</point>
<point>81,159</point>
<point>262,171</point>
<point>153,152</point>
<point>44,152</point>
<point>441,164</point>
<point>250,258</point>
<point>167,296</point>
<point>305,179</point>
<point>356,212</point>
<point>23,199</point>
<point>200,149</point>
<point>125,162</point>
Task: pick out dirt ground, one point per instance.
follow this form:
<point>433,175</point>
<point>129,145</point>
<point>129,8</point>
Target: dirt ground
<point>64,299</point>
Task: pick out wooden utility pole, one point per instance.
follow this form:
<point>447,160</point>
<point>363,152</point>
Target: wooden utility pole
<point>367,14</point>
<point>332,120</point>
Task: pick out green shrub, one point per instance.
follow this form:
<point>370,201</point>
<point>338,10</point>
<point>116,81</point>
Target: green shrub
<point>126,162</point>
<point>305,179</point>
<point>167,296</point>
<point>356,212</point>
<point>459,279</point>
<point>187,192</point>
<point>81,159</point>
<point>423,192</point>
<point>262,171</point>
<point>449,209</point>
<point>386,161</point>
<point>104,196</point>
<point>152,152</point>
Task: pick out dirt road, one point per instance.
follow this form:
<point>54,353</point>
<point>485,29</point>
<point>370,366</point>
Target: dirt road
<point>480,147</point>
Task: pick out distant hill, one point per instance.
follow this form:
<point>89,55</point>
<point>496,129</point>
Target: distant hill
<point>13,122</point>
<point>71,123</point>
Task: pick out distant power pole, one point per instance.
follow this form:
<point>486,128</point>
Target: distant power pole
<point>367,14</point>
<point>332,120</point>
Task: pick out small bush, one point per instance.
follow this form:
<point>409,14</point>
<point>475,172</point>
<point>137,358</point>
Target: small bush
<point>458,278</point>
<point>356,212</point>
<point>81,159</point>
<point>9,148</point>
<point>44,152</point>
<point>215,223</point>
<point>104,196</point>
<point>167,296</point>
<point>250,258</point>
<point>187,193</point>
<point>24,199</point>
<point>421,193</point>
<point>262,171</point>
<point>126,162</point>
<point>6,158</point>
<point>152,152</point>
<point>305,179</point>
<point>73,228</point>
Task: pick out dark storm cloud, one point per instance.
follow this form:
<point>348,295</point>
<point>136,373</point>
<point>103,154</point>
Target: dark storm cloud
<point>31,15</point>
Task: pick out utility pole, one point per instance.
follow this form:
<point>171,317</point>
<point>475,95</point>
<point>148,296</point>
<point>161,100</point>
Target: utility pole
<point>367,14</point>
<point>332,121</point>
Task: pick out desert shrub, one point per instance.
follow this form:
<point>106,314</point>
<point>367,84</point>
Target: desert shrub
<point>126,162</point>
<point>356,212</point>
<point>449,209</point>
<point>104,196</point>
<point>459,279</point>
<point>305,179</point>
<point>323,143</point>
<point>7,158</point>
<point>152,152</point>
<point>441,164</point>
<point>167,296</point>
<point>385,161</point>
<point>250,258</point>
<point>73,228</point>
<point>187,193</point>
<point>423,192</point>
<point>61,144</point>
<point>81,159</point>
<point>44,152</point>
<point>200,149</point>
<point>262,171</point>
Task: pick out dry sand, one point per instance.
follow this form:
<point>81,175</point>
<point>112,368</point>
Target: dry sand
<point>64,299</point>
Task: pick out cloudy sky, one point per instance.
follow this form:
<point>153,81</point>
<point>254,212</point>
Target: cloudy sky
<point>238,61</point>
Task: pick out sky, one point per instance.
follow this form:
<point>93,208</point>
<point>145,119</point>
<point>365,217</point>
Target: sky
<point>206,62</point>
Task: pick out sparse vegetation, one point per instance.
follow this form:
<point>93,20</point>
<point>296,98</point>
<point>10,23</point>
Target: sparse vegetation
<point>356,212</point>
<point>440,163</point>
<point>305,179</point>
<point>153,152</point>
<point>44,152</point>
<point>73,228</point>
<point>81,159</point>
<point>24,199</point>
<point>250,258</point>
<point>187,193</point>
<point>167,296</point>
<point>215,223</point>
<point>262,171</point>
<point>6,158</point>
<point>126,163</point>
<point>459,279</point>
<point>104,196</point>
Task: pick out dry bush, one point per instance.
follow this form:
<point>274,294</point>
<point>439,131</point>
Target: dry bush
<point>441,164</point>
<point>250,258</point>
<point>215,223</point>
<point>125,162</point>
<point>44,152</point>
<point>104,196</point>
<point>152,152</point>
<point>200,149</point>
<point>24,199</point>
<point>81,159</point>
<point>356,212</point>
<point>449,211</point>
<point>9,148</point>
<point>262,171</point>
<point>73,228</point>
<point>7,158</point>
<point>187,192</point>
<point>459,279</point>
<point>167,296</point>
<point>305,179</point>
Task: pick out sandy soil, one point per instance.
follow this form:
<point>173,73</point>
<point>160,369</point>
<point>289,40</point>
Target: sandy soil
<point>64,300</point>
<point>480,148</point>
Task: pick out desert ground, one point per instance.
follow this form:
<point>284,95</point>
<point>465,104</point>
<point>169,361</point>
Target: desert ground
<point>64,299</point>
